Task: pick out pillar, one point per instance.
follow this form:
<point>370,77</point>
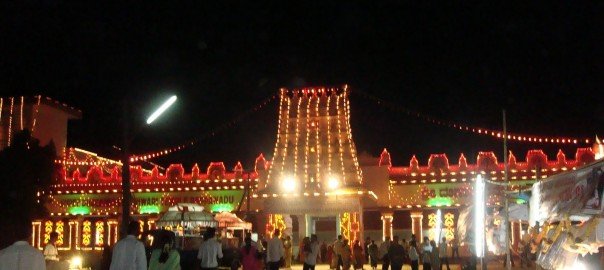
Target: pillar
<point>302,226</point>
<point>387,218</point>
<point>310,225</point>
<point>338,224</point>
<point>417,224</point>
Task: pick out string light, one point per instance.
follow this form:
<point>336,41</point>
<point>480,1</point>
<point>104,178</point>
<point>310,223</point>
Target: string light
<point>33,126</point>
<point>280,132</point>
<point>339,134</point>
<point>21,112</point>
<point>307,116</point>
<point>297,137</point>
<point>317,127</point>
<point>10,120</point>
<point>497,134</point>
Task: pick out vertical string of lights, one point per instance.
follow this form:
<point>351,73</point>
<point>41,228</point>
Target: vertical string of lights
<point>1,104</point>
<point>279,134</point>
<point>339,134</point>
<point>307,116</point>
<point>328,136</point>
<point>33,126</point>
<point>351,145</point>
<point>317,143</point>
<point>297,137</point>
<point>10,120</point>
<point>21,113</point>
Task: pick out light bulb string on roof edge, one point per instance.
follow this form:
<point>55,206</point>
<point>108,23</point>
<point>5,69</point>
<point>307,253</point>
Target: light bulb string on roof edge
<point>209,134</point>
<point>498,134</point>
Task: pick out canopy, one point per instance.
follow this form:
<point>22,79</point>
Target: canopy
<point>231,221</point>
<point>187,214</point>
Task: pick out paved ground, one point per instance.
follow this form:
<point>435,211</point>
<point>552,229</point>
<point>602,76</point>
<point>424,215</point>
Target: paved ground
<point>493,265</point>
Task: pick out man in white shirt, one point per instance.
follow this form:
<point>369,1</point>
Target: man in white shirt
<point>50,250</point>
<point>20,255</point>
<point>129,253</point>
<point>311,258</point>
<point>274,251</point>
<point>210,250</point>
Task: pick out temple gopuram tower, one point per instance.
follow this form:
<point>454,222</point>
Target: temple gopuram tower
<point>315,173</point>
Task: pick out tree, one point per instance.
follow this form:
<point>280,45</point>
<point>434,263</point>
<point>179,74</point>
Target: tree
<point>26,168</point>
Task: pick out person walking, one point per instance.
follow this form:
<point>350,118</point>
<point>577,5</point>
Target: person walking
<point>396,254</point>
<point>249,255</point>
<point>414,257</point>
<point>51,253</point>
<point>442,253</point>
<point>210,250</point>
<point>165,257</point>
<point>366,248</point>
<point>426,254</point>
<point>287,245</point>
<point>274,251</point>
<point>129,253</point>
<point>310,260</point>
<point>384,253</point>
<point>374,255</point>
<point>323,252</point>
<point>20,255</point>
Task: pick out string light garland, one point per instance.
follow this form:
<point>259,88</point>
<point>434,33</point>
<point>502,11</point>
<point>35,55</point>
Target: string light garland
<point>211,133</point>
<point>10,120</point>
<point>21,112</point>
<point>498,134</point>
<point>33,126</point>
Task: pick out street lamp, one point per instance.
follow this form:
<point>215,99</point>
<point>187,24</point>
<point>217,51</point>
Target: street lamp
<point>289,185</point>
<point>333,183</point>
<point>127,139</point>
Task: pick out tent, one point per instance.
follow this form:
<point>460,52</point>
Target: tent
<point>187,214</point>
<point>231,221</point>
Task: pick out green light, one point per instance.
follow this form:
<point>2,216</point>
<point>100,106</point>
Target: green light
<point>222,208</point>
<point>79,210</point>
<point>440,201</point>
<point>148,209</point>
<point>520,201</point>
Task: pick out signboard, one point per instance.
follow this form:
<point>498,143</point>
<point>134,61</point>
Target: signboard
<point>572,193</point>
<point>221,200</point>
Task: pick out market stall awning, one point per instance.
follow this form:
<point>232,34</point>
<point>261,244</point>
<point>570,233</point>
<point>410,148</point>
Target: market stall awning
<point>187,214</point>
<point>231,221</point>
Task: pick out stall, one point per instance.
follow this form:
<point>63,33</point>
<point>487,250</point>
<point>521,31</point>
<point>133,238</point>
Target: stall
<point>232,228</point>
<point>188,221</point>
<point>569,208</point>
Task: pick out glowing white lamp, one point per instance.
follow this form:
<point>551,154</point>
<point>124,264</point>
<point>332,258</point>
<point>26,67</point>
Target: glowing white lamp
<point>161,109</point>
<point>288,184</point>
<point>479,216</point>
<point>333,183</point>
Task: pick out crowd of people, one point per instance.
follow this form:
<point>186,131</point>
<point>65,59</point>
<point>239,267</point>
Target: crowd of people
<point>270,254</point>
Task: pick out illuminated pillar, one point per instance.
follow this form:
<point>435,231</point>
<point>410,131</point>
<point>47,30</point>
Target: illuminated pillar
<point>516,233</point>
<point>417,224</point>
<point>36,234</point>
<point>387,218</point>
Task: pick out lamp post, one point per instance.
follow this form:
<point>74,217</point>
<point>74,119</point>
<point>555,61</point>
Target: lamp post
<point>127,140</point>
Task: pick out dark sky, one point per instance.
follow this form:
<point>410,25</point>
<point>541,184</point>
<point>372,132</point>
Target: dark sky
<point>465,63</point>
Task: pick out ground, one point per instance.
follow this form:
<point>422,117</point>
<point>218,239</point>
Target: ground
<point>492,265</point>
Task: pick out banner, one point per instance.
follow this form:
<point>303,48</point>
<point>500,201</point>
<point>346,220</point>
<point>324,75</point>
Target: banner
<point>577,192</point>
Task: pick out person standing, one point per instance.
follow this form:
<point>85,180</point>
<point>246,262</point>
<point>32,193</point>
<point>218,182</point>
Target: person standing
<point>20,255</point>
<point>374,255</point>
<point>51,253</point>
<point>413,241</point>
<point>345,254</point>
<point>249,255</point>
<point>129,253</point>
<point>210,250</point>
<point>287,245</point>
<point>311,257</point>
<point>357,255</point>
<point>396,254</point>
<point>337,250</point>
<point>274,251</point>
<point>414,257</point>
<point>366,248</point>
<point>442,253</point>
<point>384,253</point>
<point>454,248</point>
<point>426,254</point>
<point>323,252</point>
<point>435,257</point>
<point>165,257</point>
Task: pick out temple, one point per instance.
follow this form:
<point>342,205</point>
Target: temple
<point>314,183</point>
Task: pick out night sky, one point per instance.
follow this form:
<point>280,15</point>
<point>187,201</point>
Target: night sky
<point>464,63</point>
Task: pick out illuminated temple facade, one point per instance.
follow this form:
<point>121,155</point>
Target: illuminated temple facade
<point>314,183</point>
